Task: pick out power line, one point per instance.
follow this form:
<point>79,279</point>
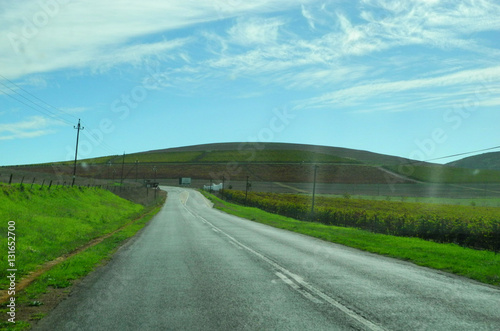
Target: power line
<point>453,155</point>
<point>41,109</point>
<point>47,113</point>
<point>466,153</point>
<point>34,96</point>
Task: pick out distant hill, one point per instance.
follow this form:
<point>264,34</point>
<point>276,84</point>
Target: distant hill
<point>271,162</point>
<point>365,157</point>
<point>483,161</point>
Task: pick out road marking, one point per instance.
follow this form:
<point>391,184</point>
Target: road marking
<point>235,245</point>
<point>184,196</point>
<point>297,288</point>
<point>313,293</point>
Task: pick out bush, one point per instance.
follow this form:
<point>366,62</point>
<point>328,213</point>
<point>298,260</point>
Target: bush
<point>476,227</point>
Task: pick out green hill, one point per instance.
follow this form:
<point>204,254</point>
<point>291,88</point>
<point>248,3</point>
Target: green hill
<point>270,162</point>
<point>276,151</point>
<point>483,161</point>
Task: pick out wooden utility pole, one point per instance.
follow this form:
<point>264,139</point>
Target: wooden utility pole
<point>136,169</point>
<point>246,191</point>
<point>78,128</point>
<point>223,185</point>
<point>155,188</point>
<point>123,163</point>
<point>314,189</point>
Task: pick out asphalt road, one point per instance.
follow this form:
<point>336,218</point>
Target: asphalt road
<point>194,268</point>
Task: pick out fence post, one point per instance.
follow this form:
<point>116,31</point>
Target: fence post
<point>22,181</point>
<point>50,184</point>
<point>10,180</point>
<point>33,182</point>
<point>42,184</point>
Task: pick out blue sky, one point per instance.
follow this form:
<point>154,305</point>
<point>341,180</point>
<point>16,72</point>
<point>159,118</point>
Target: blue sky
<point>417,79</point>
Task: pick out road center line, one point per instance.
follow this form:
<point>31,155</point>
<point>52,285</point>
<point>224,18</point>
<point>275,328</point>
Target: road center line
<point>297,288</point>
<point>313,294</point>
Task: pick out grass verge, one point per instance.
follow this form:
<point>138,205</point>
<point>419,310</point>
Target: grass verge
<point>47,224</point>
<point>38,298</point>
<point>483,266</point>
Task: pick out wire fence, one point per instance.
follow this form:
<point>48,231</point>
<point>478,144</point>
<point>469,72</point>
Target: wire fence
<point>130,190</point>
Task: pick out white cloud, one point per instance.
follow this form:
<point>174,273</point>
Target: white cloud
<point>253,49</point>
<point>32,127</point>
<point>36,38</point>
<point>336,51</point>
<point>255,31</point>
<point>466,82</point>
<point>309,17</point>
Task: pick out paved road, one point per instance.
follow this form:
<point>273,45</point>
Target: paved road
<point>194,268</point>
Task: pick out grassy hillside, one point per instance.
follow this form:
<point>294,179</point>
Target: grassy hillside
<point>220,156</point>
<point>344,153</point>
<point>274,162</point>
<point>249,152</point>
<point>483,161</point>
<point>52,223</point>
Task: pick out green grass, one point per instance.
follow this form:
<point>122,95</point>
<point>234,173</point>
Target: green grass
<point>78,266</point>
<point>52,223</point>
<point>272,156</point>
<point>160,157</point>
<point>483,266</point>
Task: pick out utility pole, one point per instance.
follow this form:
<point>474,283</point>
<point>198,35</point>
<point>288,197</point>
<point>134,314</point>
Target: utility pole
<point>246,191</point>
<point>123,163</point>
<point>223,185</point>
<point>314,188</point>
<point>78,128</point>
<point>155,188</point>
<point>136,170</point>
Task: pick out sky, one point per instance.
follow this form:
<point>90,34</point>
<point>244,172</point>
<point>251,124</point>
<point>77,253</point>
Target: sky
<point>418,79</point>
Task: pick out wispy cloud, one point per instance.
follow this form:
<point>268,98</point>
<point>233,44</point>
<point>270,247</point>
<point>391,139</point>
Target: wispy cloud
<point>385,25</point>
<point>333,56</point>
<point>465,83</point>
<point>255,31</point>
<point>309,17</point>
<point>41,38</point>
<point>32,127</point>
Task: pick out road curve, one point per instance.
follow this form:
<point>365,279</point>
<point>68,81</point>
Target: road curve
<point>195,268</point>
